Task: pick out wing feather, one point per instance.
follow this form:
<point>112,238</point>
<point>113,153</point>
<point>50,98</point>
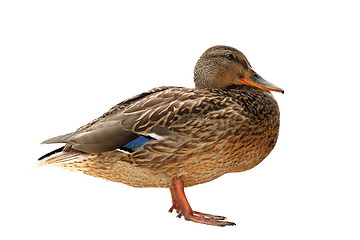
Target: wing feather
<point>154,112</point>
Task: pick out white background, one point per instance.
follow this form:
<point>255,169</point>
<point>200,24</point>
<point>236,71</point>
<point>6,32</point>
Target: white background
<point>63,63</point>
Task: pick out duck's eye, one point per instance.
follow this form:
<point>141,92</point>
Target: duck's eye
<point>229,57</point>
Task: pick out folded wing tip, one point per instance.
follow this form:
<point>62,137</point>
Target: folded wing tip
<point>59,139</point>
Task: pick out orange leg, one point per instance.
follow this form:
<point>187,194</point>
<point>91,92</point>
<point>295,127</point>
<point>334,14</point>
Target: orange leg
<point>182,206</point>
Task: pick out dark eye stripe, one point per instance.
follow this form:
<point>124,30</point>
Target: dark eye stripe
<point>235,59</point>
<point>241,61</point>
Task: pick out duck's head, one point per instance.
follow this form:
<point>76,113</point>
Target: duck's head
<point>221,67</point>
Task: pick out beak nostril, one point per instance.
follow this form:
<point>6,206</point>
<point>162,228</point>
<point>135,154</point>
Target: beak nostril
<point>256,75</point>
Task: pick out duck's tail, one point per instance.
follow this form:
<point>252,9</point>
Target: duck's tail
<point>62,159</point>
<point>51,153</point>
<point>106,165</point>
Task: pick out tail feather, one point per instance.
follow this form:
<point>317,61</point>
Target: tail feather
<point>62,158</point>
<point>51,153</point>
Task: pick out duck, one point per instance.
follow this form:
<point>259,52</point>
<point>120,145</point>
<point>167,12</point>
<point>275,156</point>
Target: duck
<point>177,137</point>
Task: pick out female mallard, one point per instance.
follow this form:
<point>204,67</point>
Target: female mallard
<point>173,137</point>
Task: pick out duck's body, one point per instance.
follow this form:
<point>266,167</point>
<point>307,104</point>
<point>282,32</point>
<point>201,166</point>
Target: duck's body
<point>203,135</point>
<point>175,137</point>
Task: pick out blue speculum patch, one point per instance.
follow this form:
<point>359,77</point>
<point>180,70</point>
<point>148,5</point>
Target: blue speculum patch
<point>136,143</point>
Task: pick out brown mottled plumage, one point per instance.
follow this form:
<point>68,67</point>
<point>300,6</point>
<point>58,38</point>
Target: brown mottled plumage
<point>228,123</point>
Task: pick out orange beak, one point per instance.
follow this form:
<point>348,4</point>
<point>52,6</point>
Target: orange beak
<point>255,80</point>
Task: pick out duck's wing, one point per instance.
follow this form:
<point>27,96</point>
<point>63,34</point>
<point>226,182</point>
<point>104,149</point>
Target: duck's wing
<point>102,135</point>
<point>152,112</point>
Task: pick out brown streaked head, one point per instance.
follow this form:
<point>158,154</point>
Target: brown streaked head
<point>221,67</point>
